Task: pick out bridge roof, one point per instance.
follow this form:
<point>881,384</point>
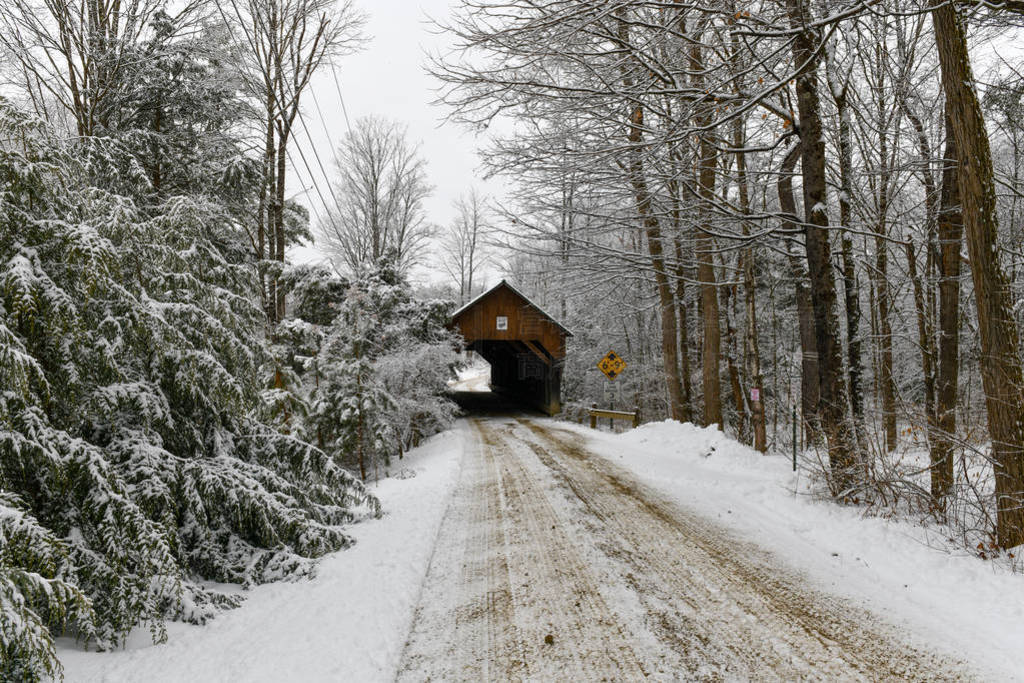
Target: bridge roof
<point>504,284</point>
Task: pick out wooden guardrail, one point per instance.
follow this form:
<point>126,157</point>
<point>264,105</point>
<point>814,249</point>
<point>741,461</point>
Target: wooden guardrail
<point>595,413</point>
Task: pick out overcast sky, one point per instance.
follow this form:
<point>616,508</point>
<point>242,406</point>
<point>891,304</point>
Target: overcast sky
<point>387,79</point>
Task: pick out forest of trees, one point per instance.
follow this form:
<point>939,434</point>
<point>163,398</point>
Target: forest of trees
<point>178,404</point>
<point>815,199</point>
<point>799,220</point>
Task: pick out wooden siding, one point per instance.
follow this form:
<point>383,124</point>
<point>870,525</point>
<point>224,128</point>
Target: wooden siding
<point>526,322</point>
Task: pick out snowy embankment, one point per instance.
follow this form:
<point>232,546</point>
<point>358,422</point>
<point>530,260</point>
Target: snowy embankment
<point>943,597</point>
<point>349,623</point>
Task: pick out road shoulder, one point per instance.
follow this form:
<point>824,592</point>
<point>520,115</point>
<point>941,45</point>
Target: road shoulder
<point>348,623</point>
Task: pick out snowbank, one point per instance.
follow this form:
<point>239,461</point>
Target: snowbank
<point>949,599</point>
<point>349,623</point>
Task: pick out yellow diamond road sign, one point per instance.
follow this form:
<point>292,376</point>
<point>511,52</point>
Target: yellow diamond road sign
<point>612,365</point>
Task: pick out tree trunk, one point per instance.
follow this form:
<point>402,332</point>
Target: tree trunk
<point>887,384</point>
<point>652,230</point>
<point>265,223</point>
<point>851,288</point>
<point>279,230</point>
<point>924,335</point>
<point>1000,361</point>
<point>682,320</point>
<point>809,390</point>
<point>704,248</point>
<point>923,296</point>
<point>751,347</point>
<point>950,227</point>
<point>729,296</point>
<point>567,228</point>
<point>832,406</point>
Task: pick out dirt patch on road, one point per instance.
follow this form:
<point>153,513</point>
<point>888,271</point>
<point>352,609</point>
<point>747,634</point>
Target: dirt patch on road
<point>555,564</point>
<point>742,611</point>
<point>507,596</point>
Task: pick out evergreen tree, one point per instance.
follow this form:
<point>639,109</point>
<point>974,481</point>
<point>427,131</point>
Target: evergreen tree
<point>131,449</point>
<point>383,371</point>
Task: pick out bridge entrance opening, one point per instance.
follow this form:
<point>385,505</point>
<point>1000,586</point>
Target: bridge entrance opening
<point>524,346</point>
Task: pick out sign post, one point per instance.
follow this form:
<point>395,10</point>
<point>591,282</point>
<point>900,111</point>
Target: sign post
<point>794,437</point>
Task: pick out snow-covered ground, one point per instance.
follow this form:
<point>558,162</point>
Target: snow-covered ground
<point>955,601</point>
<point>351,622</point>
<point>348,624</point>
<point>474,377</point>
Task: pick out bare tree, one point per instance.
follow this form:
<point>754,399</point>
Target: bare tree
<point>77,54</point>
<point>707,160</point>
<point>832,402</point>
<point>839,83</point>
<point>462,248</point>
<point>283,42</point>
<point>950,235</point>
<point>809,382</point>
<point>1000,355</point>
<point>675,119</point>
<point>379,192</point>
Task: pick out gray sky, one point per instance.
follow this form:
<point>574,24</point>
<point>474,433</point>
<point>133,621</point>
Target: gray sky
<point>387,79</point>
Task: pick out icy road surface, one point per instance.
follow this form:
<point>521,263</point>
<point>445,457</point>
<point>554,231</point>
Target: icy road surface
<point>555,564</point>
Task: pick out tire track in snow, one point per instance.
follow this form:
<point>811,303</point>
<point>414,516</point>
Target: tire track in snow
<point>543,538</point>
<point>723,607</point>
<point>556,593</point>
<point>462,627</point>
<point>507,596</point>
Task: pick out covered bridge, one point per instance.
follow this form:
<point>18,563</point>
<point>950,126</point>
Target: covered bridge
<point>524,345</point>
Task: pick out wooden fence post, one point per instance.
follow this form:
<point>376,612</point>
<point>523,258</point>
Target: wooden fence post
<point>593,417</point>
<point>636,417</point>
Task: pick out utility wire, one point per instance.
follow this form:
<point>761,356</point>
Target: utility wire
<point>309,170</point>
<point>337,85</point>
<point>323,122</point>
<point>305,127</point>
<point>312,205</point>
<point>288,153</point>
<point>312,145</point>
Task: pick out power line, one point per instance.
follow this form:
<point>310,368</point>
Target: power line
<point>337,85</point>
<point>305,127</point>
<point>323,122</point>
<point>302,155</point>
<point>312,205</point>
<point>312,145</point>
<point>305,163</point>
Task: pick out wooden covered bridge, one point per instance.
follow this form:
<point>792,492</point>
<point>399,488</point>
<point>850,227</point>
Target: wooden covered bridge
<point>524,345</point>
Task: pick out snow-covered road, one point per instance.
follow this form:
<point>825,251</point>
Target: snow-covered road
<point>553,563</point>
<point>526,548</point>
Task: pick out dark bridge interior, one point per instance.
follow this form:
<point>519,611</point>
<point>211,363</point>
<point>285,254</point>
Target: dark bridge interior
<point>524,346</point>
<point>492,404</point>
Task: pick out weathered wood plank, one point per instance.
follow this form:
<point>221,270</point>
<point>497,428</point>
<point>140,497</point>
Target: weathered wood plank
<point>596,413</point>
